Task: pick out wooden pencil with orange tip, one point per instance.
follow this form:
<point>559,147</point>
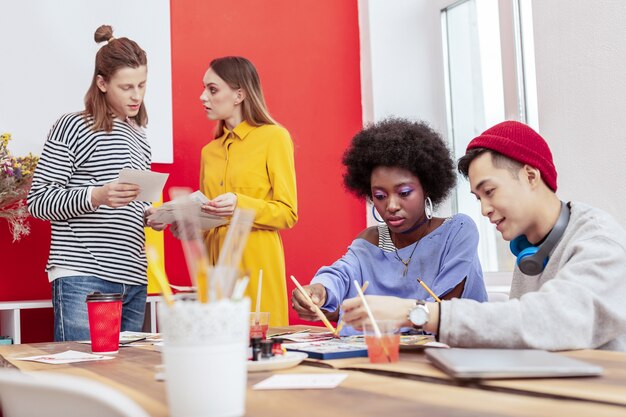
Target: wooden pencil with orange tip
<point>432,294</point>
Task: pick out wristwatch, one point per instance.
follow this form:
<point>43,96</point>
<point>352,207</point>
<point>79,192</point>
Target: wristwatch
<point>419,314</point>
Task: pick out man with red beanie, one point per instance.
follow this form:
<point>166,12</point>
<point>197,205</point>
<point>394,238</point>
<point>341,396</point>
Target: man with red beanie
<point>569,282</point>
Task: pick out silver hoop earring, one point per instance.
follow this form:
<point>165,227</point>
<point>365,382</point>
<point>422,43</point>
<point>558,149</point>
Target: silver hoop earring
<point>428,208</point>
<point>375,217</point>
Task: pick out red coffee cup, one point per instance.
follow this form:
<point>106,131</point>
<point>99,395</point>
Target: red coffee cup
<point>105,320</point>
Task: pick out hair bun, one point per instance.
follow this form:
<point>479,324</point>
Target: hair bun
<point>103,34</point>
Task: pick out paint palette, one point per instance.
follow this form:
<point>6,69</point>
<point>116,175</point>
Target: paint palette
<point>288,360</point>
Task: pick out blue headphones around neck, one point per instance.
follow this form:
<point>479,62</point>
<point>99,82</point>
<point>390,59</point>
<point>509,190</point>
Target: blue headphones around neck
<point>531,259</point>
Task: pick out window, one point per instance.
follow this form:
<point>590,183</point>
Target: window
<point>487,57</point>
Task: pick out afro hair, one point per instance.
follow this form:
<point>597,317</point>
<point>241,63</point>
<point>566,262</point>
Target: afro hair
<point>396,142</point>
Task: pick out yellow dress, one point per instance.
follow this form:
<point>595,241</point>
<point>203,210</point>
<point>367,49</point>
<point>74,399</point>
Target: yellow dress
<point>257,164</point>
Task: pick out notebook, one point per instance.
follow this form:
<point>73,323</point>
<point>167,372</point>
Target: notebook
<point>508,363</point>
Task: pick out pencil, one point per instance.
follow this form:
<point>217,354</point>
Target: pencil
<point>429,290</point>
<point>317,309</point>
<point>201,281</point>
<point>257,317</point>
<point>159,273</point>
<point>341,322</point>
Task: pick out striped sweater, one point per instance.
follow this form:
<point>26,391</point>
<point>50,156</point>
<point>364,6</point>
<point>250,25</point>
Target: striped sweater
<point>105,242</point>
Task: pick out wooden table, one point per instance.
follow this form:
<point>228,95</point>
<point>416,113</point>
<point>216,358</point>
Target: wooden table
<point>389,390</point>
<point>610,388</point>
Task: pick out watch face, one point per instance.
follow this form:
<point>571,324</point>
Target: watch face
<point>419,316</point>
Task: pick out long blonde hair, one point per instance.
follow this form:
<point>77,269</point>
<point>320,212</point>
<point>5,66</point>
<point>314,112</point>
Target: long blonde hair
<point>238,72</point>
<point>116,54</point>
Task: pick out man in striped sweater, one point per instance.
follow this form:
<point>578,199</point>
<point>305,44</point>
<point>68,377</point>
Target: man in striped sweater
<point>97,226</point>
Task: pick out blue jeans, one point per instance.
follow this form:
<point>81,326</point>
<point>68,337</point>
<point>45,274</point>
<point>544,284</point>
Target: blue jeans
<point>69,296</point>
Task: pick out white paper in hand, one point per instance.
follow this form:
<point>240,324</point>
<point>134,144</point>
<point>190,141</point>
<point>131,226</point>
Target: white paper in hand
<point>190,206</point>
<point>150,183</point>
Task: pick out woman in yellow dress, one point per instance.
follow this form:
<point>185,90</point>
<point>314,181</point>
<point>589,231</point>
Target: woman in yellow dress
<point>249,164</point>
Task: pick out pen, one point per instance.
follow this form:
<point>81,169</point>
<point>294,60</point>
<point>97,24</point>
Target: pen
<point>128,342</point>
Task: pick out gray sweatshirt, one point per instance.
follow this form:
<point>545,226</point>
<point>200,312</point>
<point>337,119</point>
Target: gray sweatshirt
<point>577,302</point>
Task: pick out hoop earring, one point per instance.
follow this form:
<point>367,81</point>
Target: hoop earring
<point>428,208</point>
<point>375,217</point>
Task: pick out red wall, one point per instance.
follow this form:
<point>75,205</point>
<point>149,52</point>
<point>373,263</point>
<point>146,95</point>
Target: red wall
<point>307,55</point>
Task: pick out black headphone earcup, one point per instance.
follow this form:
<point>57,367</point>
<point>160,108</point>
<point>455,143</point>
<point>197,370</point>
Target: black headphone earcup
<point>531,259</point>
<point>529,263</point>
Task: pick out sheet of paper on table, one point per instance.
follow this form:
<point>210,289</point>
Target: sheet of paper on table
<point>150,183</point>
<point>420,342</point>
<point>69,356</point>
<point>307,337</point>
<point>301,381</point>
<point>128,338</point>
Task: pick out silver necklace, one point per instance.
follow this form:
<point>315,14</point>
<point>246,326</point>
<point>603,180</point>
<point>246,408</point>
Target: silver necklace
<point>405,263</point>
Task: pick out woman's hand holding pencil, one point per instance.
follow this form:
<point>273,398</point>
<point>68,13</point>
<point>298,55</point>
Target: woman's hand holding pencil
<point>316,309</point>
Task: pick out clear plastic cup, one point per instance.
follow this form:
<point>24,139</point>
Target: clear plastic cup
<point>386,347</point>
<point>259,324</point>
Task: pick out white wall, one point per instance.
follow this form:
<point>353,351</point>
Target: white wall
<point>48,52</point>
<point>405,74</point>
<point>402,63</point>
<point>580,53</point>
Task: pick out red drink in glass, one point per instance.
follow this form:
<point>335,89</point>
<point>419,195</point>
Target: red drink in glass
<point>376,348</point>
<point>259,323</point>
<point>258,330</point>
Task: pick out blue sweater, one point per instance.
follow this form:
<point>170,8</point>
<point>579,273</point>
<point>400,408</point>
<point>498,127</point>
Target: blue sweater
<point>442,260</point>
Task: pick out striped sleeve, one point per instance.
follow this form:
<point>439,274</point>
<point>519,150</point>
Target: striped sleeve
<point>49,198</point>
<point>105,242</point>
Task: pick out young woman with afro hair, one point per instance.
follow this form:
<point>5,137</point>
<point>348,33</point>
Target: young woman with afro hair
<point>406,170</point>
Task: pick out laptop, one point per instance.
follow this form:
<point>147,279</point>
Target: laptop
<point>508,363</point>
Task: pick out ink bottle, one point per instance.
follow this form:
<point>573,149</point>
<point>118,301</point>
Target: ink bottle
<point>277,347</point>
<point>256,348</point>
<point>266,349</point>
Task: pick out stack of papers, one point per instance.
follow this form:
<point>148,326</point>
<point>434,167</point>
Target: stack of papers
<point>307,337</point>
<point>331,349</point>
<point>187,208</point>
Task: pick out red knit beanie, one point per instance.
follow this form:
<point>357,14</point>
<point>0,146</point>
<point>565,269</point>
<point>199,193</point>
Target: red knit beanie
<point>521,143</point>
